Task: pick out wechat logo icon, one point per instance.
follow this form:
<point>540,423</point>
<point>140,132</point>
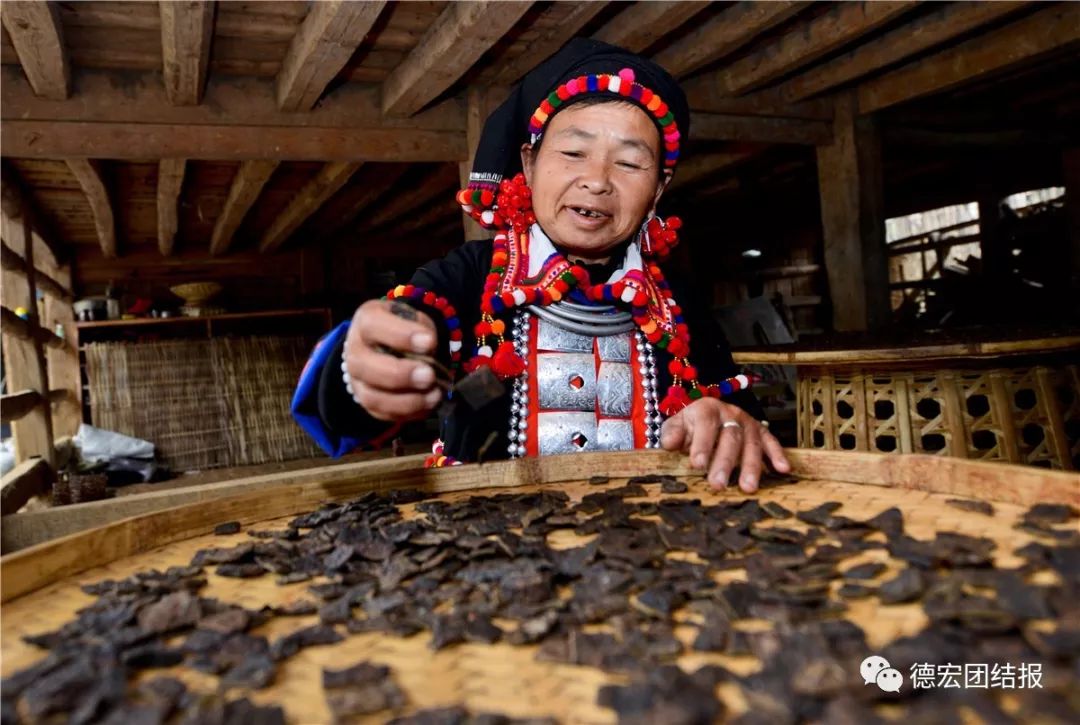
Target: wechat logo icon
<point>877,670</point>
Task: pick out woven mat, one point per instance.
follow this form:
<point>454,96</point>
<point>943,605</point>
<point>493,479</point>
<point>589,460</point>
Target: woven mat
<point>501,677</point>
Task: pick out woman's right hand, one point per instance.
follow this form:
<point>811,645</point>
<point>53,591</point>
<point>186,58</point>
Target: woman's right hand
<point>387,386</point>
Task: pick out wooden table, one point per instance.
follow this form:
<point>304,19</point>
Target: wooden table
<point>1009,400</point>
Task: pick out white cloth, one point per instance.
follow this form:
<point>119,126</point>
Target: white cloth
<point>541,248</point>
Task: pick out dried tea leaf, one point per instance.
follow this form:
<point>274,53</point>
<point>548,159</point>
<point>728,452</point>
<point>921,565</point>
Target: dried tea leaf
<point>227,528</point>
<point>978,507</point>
<point>869,570</point>
<point>907,586</point>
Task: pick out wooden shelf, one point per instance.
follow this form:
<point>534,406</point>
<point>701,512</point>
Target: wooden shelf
<point>151,321</point>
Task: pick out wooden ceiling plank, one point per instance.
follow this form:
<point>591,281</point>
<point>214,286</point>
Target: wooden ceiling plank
<point>329,179</point>
<point>90,179</point>
<point>187,29</point>
<point>170,181</point>
<point>727,127</point>
<point>323,44</point>
<point>947,21</point>
<point>644,23</point>
<point>38,38</point>
<point>724,34</point>
<point>457,39</point>
<point>1048,29</point>
<point>550,41</point>
<point>248,183</point>
<point>844,23</point>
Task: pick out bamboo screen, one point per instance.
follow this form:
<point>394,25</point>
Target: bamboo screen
<point>202,403</point>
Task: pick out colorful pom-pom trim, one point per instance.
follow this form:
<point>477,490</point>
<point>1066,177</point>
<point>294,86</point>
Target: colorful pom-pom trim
<point>437,459</point>
<point>430,299</point>
<point>621,84</point>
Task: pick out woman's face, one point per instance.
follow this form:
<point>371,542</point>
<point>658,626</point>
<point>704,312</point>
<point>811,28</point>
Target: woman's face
<point>595,176</point>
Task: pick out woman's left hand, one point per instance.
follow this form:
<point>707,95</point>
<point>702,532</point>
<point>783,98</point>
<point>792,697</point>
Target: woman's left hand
<point>700,429</point>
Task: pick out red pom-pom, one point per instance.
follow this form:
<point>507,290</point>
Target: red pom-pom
<point>675,400</point>
<point>482,328</point>
<point>675,368</point>
<point>506,363</point>
<point>690,372</point>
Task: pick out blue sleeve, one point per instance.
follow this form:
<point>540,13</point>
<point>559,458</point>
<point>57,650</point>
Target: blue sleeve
<point>305,403</point>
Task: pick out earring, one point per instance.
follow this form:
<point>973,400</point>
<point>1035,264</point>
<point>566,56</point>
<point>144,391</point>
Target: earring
<point>658,237</point>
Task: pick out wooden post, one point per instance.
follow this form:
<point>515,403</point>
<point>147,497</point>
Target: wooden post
<point>852,216</point>
<point>24,360</point>
<point>480,102</point>
<point>63,362</point>
<point>995,255</point>
<point>1070,161</point>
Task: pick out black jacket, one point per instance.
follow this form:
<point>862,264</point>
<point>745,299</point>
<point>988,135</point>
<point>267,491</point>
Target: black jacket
<point>460,278</point>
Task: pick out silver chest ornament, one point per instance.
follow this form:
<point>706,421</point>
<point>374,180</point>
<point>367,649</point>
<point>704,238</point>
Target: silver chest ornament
<point>584,391</point>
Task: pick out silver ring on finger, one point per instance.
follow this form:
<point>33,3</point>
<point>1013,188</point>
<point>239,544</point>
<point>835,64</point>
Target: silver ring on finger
<point>731,424</point>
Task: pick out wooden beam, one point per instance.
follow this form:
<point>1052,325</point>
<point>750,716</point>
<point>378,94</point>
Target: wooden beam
<point>852,215</point>
<point>1048,29</point>
<point>27,330</point>
<point>723,127</point>
<point>187,29</point>
<point>550,40</point>
<point>248,183</point>
<point>440,181</point>
<point>237,120</point>
<point>170,181</point>
<point>328,37</point>
<point>236,101</point>
<point>723,34</point>
<point>945,22</point>
<point>329,179</point>
<point>37,35</point>
<point>457,39</point>
<point>14,200</point>
<point>706,93</point>
<point>28,479</point>
<point>701,166</point>
<point>11,260</point>
<point>842,24</point>
<point>88,174</point>
<point>15,405</point>
<point>642,24</point>
<point>360,197</point>
<point>52,139</point>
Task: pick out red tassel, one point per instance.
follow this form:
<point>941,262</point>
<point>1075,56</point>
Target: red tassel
<point>675,400</point>
<point>506,363</point>
<point>475,363</point>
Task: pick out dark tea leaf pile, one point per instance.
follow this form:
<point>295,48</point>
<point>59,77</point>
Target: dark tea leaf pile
<point>482,570</point>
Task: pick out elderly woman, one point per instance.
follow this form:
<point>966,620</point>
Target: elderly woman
<point>567,305</point>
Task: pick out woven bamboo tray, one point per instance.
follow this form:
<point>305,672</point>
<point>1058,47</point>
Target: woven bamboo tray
<point>40,585</point>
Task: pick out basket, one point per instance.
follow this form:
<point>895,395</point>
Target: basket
<point>196,294</point>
